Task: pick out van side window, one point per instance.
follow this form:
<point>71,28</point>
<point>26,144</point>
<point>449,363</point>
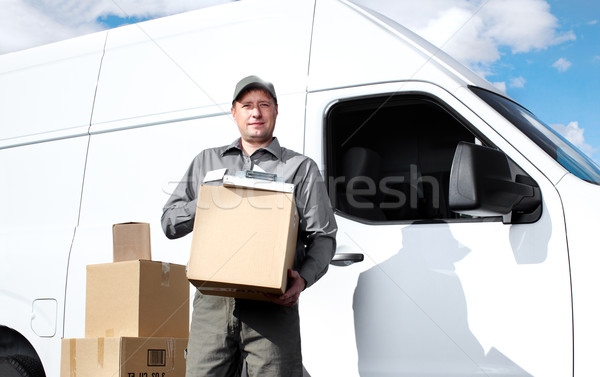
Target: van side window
<point>388,158</point>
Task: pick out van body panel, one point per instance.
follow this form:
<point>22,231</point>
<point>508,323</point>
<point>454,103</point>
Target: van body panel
<point>446,298</point>
<point>581,216</point>
<point>171,64</point>
<point>39,197</point>
<point>54,85</point>
<point>341,39</point>
<point>341,51</point>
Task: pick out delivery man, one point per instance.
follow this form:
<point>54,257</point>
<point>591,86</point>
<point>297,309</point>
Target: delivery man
<point>225,331</point>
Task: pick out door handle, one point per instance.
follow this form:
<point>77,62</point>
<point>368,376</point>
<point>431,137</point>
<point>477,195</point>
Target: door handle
<point>346,259</point>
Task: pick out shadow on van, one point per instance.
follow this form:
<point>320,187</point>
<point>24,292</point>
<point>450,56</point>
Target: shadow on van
<point>410,314</point>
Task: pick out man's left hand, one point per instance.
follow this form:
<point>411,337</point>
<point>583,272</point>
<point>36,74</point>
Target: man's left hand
<point>296,285</point>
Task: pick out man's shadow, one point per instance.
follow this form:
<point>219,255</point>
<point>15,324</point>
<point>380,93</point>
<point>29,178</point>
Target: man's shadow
<point>410,313</point>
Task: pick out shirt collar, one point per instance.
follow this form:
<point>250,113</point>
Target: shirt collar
<point>274,148</point>
<point>233,146</point>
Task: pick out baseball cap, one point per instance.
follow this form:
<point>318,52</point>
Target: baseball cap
<point>254,82</point>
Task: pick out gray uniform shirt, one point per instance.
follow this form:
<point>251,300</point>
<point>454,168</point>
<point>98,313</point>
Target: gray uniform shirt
<point>316,234</point>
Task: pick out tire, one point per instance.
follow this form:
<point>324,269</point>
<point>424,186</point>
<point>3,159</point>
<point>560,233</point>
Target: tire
<point>20,366</point>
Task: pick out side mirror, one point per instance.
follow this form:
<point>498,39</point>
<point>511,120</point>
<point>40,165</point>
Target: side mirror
<point>481,184</point>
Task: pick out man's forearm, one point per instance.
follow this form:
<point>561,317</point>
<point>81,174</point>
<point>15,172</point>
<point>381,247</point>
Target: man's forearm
<point>317,259</point>
<point>178,220</point>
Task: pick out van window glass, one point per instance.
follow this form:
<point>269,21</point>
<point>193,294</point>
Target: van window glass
<point>388,158</point>
<point>554,144</point>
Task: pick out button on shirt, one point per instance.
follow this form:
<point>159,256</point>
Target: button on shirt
<point>316,238</point>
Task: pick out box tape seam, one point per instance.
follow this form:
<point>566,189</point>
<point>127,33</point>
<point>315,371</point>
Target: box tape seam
<point>100,353</point>
<point>166,269</point>
<point>171,354</point>
<point>123,354</point>
<point>73,357</point>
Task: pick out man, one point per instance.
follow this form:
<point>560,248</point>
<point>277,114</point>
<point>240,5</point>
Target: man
<point>226,331</point>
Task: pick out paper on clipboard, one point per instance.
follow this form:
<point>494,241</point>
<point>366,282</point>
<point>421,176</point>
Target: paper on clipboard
<point>214,175</point>
<point>240,180</point>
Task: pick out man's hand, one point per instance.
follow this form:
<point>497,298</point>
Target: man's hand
<point>296,285</point>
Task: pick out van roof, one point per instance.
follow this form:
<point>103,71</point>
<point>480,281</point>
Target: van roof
<point>401,54</point>
<point>186,65</point>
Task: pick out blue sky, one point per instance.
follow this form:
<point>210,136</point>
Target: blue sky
<point>545,54</point>
<point>562,82</point>
<point>112,20</point>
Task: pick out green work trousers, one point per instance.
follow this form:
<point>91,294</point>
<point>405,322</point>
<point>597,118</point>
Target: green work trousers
<point>226,331</point>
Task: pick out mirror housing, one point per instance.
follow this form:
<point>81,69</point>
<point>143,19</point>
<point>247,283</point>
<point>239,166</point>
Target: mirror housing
<point>482,184</point>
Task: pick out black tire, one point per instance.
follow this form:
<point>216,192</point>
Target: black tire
<point>20,366</point>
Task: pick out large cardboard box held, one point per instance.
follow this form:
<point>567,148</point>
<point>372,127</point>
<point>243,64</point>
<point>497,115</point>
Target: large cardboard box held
<point>243,241</point>
<point>123,357</point>
<point>137,298</point>
<point>131,241</point>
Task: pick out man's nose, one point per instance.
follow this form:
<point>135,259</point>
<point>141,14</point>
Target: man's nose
<point>256,113</point>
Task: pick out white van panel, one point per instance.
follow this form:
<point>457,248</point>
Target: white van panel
<point>453,298</point>
<point>358,54</point>
<point>171,65</point>
<point>351,45</point>
<point>582,207</point>
<point>39,197</point>
<point>49,89</point>
<point>129,176</point>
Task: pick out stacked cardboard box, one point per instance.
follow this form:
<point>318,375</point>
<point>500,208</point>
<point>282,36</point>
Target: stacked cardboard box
<point>137,298</point>
<point>137,316</point>
<point>131,241</point>
<point>123,357</point>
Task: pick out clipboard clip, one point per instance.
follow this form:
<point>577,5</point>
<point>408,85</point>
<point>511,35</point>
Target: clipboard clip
<point>260,175</point>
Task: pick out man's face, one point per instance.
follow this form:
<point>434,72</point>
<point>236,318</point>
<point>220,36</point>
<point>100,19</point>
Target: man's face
<point>255,114</point>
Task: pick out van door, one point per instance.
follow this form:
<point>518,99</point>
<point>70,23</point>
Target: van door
<point>437,293</point>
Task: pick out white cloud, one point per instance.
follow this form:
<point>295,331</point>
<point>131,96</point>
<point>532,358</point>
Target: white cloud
<point>23,25</point>
<point>562,65</point>
<point>574,134</point>
<point>501,85</point>
<point>518,82</point>
<point>29,23</point>
<point>148,8</point>
<point>522,25</point>
<point>475,31</point>
<point>460,33</point>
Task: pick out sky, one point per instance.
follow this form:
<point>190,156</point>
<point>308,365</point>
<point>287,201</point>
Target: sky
<point>545,54</point>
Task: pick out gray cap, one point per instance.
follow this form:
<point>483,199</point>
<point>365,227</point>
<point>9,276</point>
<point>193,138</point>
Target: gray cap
<point>254,81</point>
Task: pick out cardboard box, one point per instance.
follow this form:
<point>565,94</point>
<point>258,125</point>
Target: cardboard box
<point>131,241</point>
<point>243,241</point>
<point>137,299</point>
<point>123,357</point>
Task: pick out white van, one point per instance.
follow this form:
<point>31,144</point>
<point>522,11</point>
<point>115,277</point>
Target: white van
<point>466,227</point>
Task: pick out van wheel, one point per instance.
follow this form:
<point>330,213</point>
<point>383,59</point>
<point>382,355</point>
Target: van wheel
<point>20,366</point>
